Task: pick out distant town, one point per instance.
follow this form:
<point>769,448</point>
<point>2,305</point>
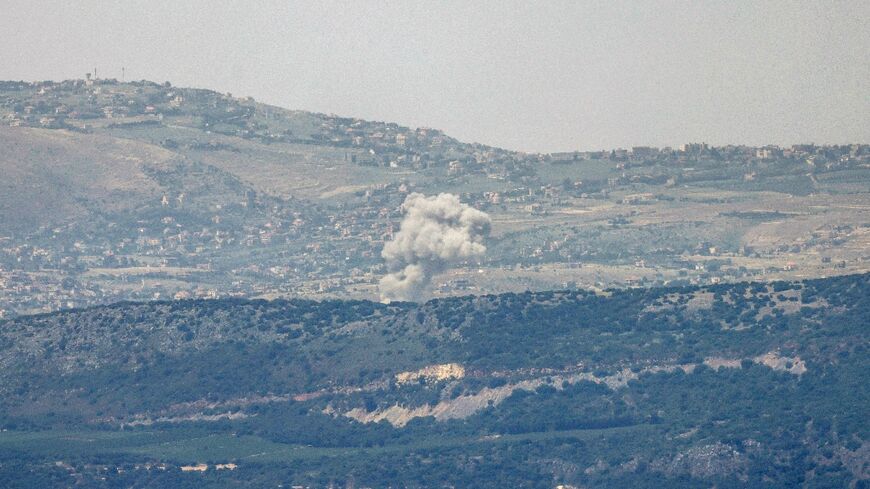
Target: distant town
<point>219,235</point>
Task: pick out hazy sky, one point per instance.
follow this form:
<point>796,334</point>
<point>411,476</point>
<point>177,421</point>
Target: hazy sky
<point>543,76</point>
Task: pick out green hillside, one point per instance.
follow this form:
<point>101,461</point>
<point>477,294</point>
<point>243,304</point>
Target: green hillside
<point>729,385</point>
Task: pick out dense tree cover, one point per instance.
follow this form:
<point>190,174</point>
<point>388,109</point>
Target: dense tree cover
<point>746,423</point>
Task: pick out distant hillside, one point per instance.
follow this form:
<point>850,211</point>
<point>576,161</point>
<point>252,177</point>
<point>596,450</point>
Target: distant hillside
<point>91,145</point>
<point>140,191</point>
<point>727,385</point>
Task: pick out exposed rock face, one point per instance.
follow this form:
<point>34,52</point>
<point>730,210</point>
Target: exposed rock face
<point>791,365</point>
<point>445,371</point>
<point>772,359</point>
<point>717,459</point>
<point>466,405</point>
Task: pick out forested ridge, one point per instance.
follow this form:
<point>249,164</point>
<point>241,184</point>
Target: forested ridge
<point>727,385</point>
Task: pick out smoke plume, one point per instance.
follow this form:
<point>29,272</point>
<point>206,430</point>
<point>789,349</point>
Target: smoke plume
<point>435,232</point>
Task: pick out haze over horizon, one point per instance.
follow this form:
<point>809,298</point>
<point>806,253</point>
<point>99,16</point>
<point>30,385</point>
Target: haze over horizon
<point>542,78</point>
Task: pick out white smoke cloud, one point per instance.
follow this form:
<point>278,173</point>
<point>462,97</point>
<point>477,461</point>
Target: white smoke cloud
<point>435,232</point>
